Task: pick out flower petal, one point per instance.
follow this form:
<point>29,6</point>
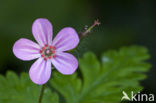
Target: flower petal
<point>65,63</point>
<point>42,31</point>
<point>66,39</point>
<point>25,49</point>
<point>40,71</point>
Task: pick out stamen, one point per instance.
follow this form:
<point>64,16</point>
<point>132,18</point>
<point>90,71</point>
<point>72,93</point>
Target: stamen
<point>50,47</point>
<point>45,58</point>
<point>53,48</point>
<point>47,52</point>
<point>46,45</point>
<point>42,55</point>
<point>49,57</point>
<point>54,56</point>
<point>53,51</point>
<point>43,48</point>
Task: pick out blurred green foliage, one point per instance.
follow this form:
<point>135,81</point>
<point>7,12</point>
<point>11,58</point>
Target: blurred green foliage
<point>97,82</point>
<point>21,90</point>
<point>104,81</point>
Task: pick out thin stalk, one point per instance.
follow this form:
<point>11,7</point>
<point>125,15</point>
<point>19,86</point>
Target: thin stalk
<point>41,93</point>
<point>83,34</point>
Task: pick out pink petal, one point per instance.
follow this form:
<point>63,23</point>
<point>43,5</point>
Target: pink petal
<point>42,31</point>
<point>66,39</point>
<point>40,71</point>
<point>25,49</point>
<point>65,63</point>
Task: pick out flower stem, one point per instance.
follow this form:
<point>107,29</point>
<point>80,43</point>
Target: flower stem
<point>41,93</point>
<point>83,34</point>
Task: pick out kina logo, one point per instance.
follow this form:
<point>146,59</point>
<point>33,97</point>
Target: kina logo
<point>137,97</point>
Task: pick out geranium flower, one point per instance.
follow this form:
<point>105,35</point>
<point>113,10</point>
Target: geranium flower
<point>48,51</point>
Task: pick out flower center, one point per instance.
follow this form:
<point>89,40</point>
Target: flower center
<point>48,52</point>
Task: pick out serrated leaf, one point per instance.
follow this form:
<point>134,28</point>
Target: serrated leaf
<point>21,90</point>
<point>103,82</point>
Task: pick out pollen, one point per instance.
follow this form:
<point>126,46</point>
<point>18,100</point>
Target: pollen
<point>47,52</point>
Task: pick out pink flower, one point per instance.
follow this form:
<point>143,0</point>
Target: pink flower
<point>48,51</point>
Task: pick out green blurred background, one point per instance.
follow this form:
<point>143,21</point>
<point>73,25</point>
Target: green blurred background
<point>123,23</point>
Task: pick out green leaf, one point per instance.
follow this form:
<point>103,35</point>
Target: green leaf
<point>22,90</point>
<point>103,82</point>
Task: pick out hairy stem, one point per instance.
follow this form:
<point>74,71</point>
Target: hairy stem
<point>41,93</point>
<point>83,34</point>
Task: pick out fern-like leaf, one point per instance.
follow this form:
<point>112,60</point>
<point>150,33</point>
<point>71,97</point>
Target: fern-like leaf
<point>104,82</point>
<point>22,90</point>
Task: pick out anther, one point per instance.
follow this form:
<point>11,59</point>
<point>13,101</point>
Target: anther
<point>53,51</point>
<point>53,48</point>
<point>50,47</point>
<point>54,56</point>
<point>43,48</point>
<point>46,45</point>
<point>49,57</point>
<point>45,58</point>
<point>42,55</point>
